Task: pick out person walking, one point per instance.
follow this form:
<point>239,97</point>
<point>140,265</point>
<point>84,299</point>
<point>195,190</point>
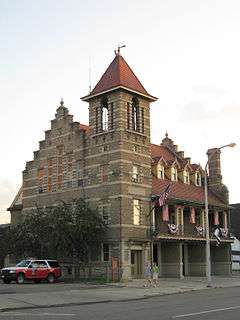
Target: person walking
<point>148,275</point>
<point>155,272</point>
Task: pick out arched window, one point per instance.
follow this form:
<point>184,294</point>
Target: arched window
<point>160,171</point>
<point>135,115</point>
<point>186,177</point>
<point>174,174</point>
<point>104,115</point>
<point>198,179</point>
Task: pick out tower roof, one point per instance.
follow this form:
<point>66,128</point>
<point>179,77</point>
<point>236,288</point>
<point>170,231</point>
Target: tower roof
<point>119,75</point>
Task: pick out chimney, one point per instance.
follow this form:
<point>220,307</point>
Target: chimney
<point>215,176</point>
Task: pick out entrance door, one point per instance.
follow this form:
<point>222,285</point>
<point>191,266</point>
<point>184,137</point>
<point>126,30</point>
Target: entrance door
<point>136,264</point>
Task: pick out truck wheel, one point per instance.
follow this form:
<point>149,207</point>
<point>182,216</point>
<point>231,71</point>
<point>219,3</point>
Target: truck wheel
<point>50,278</point>
<point>20,278</point>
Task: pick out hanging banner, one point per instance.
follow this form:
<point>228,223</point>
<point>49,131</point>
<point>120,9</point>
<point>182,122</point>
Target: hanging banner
<point>216,218</point>
<point>165,213</point>
<point>192,215</point>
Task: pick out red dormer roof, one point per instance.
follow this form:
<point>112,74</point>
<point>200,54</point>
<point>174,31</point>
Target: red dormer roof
<point>119,75</point>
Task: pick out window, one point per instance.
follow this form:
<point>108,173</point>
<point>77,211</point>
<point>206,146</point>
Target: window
<point>40,173</point>
<point>186,177</point>
<point>106,215</point>
<point>135,173</point>
<point>142,115</point>
<point>105,252</point>
<point>49,184</point>
<point>40,176</point>
<point>59,182</point>
<point>128,116</point>
<point>160,171</point>
<point>105,119</point>
<point>79,169</point>
<point>135,115</point>
<point>174,174</point>
<point>69,162</point>
<point>136,212</point>
<point>96,119</point>
<point>104,114</point>
<point>104,173</point>
<point>198,179</point>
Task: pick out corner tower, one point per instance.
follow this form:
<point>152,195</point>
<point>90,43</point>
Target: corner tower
<point>120,161</point>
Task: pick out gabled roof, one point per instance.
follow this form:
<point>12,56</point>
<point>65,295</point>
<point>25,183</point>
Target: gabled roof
<point>119,75</point>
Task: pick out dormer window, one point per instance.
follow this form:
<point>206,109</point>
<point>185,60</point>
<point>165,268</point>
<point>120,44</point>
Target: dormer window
<point>160,171</point>
<point>186,177</point>
<point>174,174</point>
<point>198,179</point>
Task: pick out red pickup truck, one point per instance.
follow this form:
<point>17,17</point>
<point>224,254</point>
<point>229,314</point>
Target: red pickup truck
<point>32,269</point>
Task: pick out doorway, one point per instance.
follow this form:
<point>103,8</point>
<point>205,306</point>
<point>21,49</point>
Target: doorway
<point>136,264</point>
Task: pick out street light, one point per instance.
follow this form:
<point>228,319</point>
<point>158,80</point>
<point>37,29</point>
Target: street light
<point>208,257</point>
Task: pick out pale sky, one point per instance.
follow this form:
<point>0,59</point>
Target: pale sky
<point>184,52</point>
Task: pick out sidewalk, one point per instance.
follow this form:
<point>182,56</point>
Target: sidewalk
<point>80,294</point>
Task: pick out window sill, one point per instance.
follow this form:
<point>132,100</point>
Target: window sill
<point>102,133</point>
<point>136,132</point>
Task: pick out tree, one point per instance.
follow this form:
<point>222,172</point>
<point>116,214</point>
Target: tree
<point>5,243</point>
<point>67,230</point>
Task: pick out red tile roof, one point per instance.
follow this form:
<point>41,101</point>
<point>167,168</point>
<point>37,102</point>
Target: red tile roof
<point>182,191</point>
<point>83,127</point>
<point>119,74</point>
<point>160,151</point>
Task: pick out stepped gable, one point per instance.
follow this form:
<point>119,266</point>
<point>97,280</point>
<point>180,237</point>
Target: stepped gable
<point>119,75</point>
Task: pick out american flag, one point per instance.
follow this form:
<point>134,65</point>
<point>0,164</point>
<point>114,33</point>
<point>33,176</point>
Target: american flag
<point>161,199</point>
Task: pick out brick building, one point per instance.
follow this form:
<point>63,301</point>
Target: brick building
<point>114,166</point>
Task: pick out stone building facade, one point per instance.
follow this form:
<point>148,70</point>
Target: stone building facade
<point>113,165</point>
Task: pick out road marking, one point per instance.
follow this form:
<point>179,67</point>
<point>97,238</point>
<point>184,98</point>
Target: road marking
<point>204,312</point>
<point>37,314</point>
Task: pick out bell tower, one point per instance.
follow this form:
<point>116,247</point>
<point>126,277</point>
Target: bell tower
<point>120,162</point>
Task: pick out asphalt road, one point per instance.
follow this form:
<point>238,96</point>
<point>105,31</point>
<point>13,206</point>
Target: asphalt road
<point>215,304</point>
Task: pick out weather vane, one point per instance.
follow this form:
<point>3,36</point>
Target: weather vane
<point>117,52</point>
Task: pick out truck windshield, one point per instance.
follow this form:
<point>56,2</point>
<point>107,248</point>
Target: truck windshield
<point>23,263</point>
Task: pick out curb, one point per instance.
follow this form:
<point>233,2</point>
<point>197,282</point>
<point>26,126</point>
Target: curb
<point>145,297</point>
